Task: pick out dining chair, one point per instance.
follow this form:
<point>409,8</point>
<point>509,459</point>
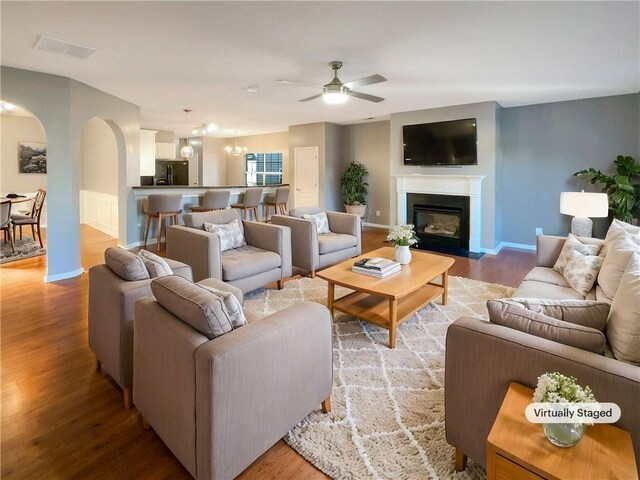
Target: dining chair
<point>161,206</point>
<point>5,223</point>
<point>213,200</point>
<point>33,218</point>
<point>252,199</point>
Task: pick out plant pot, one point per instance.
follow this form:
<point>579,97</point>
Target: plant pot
<point>564,434</point>
<point>403,255</point>
<point>359,210</point>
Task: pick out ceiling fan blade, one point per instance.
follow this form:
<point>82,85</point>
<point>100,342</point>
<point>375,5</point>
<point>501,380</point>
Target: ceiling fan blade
<point>370,80</point>
<point>294,82</point>
<point>310,98</point>
<point>366,96</point>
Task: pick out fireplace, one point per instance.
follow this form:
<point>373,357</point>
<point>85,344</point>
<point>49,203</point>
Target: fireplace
<point>441,222</point>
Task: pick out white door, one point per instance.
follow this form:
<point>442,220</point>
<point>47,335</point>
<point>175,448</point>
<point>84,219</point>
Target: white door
<point>305,176</point>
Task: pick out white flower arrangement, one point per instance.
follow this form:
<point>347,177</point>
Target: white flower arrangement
<point>557,388</point>
<point>403,235</point>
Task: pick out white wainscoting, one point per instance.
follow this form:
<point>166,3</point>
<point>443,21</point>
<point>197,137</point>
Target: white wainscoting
<point>100,211</point>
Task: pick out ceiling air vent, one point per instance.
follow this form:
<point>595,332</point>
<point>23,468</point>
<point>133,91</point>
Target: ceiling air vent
<point>53,45</point>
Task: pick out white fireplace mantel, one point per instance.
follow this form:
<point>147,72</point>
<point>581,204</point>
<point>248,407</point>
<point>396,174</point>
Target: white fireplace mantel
<point>463,185</point>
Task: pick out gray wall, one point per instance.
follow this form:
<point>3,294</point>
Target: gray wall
<point>19,129</point>
<point>488,155</point>
<point>64,106</point>
<point>334,164</point>
<point>543,145</point>
<point>98,158</point>
<point>368,143</point>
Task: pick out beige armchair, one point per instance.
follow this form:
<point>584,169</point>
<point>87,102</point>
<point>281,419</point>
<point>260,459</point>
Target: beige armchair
<point>310,251</point>
<point>217,404</point>
<point>265,259</point>
<point>111,300</point>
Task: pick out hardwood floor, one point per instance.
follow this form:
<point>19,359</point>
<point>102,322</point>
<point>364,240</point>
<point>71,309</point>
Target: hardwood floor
<point>63,420</point>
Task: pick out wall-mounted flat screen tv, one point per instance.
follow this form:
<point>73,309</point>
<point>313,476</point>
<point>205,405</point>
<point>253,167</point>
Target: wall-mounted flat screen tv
<point>441,143</point>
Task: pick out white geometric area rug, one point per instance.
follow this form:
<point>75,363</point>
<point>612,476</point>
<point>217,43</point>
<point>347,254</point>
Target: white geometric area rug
<point>387,418</point>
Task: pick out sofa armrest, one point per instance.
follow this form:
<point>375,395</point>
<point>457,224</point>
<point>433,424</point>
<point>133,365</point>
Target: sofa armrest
<point>274,238</point>
<point>482,358</point>
<point>257,382</point>
<point>111,303</point>
<point>548,248</point>
<point>181,269</point>
<point>197,248</point>
<point>304,241</point>
<point>347,223</point>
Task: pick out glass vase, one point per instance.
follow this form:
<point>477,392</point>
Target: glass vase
<point>403,255</point>
<point>564,434</point>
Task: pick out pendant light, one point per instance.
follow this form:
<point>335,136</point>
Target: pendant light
<point>187,150</point>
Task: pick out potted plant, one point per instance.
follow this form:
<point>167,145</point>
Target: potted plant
<point>403,236</point>
<point>623,189</point>
<point>355,188</point>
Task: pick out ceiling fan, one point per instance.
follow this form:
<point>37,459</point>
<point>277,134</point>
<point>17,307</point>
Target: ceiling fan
<point>337,92</point>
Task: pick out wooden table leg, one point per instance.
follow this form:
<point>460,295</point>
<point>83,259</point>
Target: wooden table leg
<point>445,286</point>
<point>393,320</point>
<point>330,296</point>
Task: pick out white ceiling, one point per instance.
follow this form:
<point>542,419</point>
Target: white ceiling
<point>166,56</point>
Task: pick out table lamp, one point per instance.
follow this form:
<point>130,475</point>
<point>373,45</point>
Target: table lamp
<point>583,206</point>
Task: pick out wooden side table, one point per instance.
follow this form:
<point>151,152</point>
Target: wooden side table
<point>518,449</point>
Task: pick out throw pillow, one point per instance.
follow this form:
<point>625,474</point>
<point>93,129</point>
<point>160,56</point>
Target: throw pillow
<point>587,313</point>
<point>232,304</point>
<point>194,305</point>
<point>127,265</point>
<point>321,221</point>
<point>615,229</point>
<point>533,323</point>
<point>570,245</point>
<point>155,265</point>
<point>623,328</point>
<point>581,271</point>
<point>620,247</point>
<point>229,233</point>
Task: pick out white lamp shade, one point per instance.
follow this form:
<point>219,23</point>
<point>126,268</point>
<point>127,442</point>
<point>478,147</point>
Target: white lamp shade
<point>186,151</point>
<point>584,205</point>
<point>335,97</point>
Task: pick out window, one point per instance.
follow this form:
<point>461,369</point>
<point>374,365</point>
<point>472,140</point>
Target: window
<point>263,168</point>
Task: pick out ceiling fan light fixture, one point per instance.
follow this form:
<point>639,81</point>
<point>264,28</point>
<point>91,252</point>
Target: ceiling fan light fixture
<point>212,127</point>
<point>335,98</point>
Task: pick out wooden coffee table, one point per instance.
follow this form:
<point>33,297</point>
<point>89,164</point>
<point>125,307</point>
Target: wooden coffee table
<point>517,449</point>
<point>387,302</point>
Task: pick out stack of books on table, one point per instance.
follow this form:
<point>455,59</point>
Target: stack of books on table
<point>376,267</point>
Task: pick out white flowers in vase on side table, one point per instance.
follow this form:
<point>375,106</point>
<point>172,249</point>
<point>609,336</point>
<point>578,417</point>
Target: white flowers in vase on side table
<point>402,237</point>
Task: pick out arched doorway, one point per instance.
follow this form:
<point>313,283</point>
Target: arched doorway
<point>23,171</point>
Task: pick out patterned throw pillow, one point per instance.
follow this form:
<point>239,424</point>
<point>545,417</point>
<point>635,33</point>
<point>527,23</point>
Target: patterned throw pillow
<point>573,244</point>
<point>232,304</point>
<point>321,221</point>
<point>229,233</point>
<point>581,271</point>
<point>156,266</point>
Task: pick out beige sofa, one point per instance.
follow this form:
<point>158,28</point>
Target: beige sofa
<point>219,404</point>
<point>265,259</point>
<point>111,300</point>
<point>310,251</point>
<point>482,358</point>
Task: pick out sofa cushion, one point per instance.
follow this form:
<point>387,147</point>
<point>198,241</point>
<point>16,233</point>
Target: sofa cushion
<point>547,275</point>
<point>321,221</point>
<point>620,247</point>
<point>587,313</point>
<point>300,211</point>
<point>198,219</point>
<point>600,295</point>
<point>543,326</point>
<point>127,265</point>
<point>573,244</point>
<point>247,261</point>
<point>232,304</point>
<point>623,328</point>
<point>156,266</point>
<point>193,304</point>
<point>535,289</point>
<point>581,271</point>
<point>333,242</point>
<point>230,234</point>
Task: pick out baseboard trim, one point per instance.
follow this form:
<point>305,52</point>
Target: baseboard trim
<point>140,243</point>
<point>376,225</point>
<point>501,245</point>
<point>63,276</point>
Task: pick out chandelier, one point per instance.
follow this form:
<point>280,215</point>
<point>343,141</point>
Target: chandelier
<point>235,151</point>
<point>187,150</point>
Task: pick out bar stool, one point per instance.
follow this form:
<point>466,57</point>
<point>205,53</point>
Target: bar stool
<point>278,201</point>
<point>161,206</point>
<point>213,200</point>
<point>252,199</point>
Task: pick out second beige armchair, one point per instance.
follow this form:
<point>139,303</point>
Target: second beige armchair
<point>265,258</point>
<point>312,251</point>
